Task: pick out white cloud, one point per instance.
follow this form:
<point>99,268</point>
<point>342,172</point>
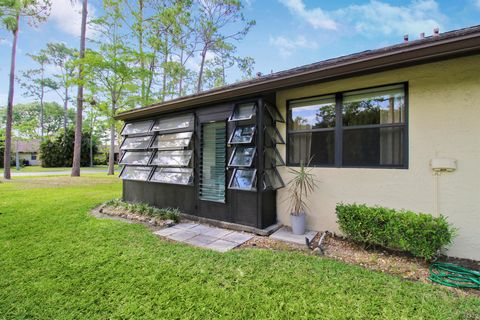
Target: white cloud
<point>67,15</point>
<point>5,42</point>
<point>373,18</point>
<point>287,46</point>
<point>316,17</point>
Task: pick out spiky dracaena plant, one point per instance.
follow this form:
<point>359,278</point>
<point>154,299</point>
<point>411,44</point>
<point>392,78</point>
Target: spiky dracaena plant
<point>301,185</point>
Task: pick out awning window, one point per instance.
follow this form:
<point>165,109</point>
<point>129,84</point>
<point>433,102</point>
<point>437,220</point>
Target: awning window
<point>136,157</point>
<point>273,157</point>
<point>135,173</point>
<point>243,179</point>
<point>174,123</point>
<point>135,143</point>
<point>274,135</point>
<point>137,127</point>
<point>272,179</point>
<point>172,141</point>
<point>175,158</point>
<point>242,156</point>
<point>173,175</point>
<point>274,113</point>
<point>242,134</point>
<point>243,111</point>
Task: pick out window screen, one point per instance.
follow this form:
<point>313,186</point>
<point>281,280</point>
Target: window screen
<point>243,111</point>
<point>272,179</point>
<point>132,143</point>
<point>243,179</point>
<point>174,123</point>
<point>136,157</point>
<point>212,166</point>
<point>173,175</point>
<point>135,173</point>
<point>242,156</point>
<point>242,134</point>
<point>137,127</point>
<point>172,141</point>
<point>174,158</point>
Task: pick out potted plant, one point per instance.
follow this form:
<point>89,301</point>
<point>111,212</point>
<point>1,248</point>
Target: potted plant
<point>300,187</point>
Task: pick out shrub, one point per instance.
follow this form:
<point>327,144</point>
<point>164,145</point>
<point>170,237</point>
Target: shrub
<point>418,233</point>
<point>58,152</point>
<point>147,210</point>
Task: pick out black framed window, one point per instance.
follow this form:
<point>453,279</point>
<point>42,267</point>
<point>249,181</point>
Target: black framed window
<point>361,128</point>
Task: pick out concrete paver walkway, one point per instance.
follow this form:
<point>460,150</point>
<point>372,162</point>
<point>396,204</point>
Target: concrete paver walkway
<point>203,236</point>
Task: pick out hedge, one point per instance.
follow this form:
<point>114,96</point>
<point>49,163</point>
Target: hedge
<point>420,234</point>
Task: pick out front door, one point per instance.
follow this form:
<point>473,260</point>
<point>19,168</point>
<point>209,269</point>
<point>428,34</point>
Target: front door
<point>211,166</point>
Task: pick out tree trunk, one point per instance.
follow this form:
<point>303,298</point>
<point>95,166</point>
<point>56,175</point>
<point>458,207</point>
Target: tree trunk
<point>140,49</point>
<point>200,73</point>
<point>165,60</point>
<point>111,156</point>
<point>42,94</point>
<point>78,119</point>
<point>65,111</point>
<point>180,81</point>
<point>11,90</point>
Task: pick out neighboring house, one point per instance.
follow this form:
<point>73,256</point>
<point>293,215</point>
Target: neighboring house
<point>395,127</point>
<point>27,151</point>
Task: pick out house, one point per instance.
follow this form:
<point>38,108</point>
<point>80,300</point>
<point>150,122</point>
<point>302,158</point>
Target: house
<point>28,151</point>
<point>395,127</point>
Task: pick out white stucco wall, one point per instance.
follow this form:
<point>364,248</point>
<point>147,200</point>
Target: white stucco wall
<point>444,121</point>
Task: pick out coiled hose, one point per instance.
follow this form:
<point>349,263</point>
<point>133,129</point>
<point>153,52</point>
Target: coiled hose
<point>454,276</point>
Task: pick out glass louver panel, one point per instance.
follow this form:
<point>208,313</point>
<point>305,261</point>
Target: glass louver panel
<point>135,173</point>
<point>274,135</point>
<point>243,111</point>
<point>137,127</point>
<point>274,113</point>
<point>173,175</point>
<point>173,123</point>
<point>243,179</point>
<point>132,143</point>
<point>172,141</point>
<point>272,179</point>
<point>242,134</point>
<point>175,158</point>
<point>136,157</point>
<point>212,165</point>
<point>242,156</point>
<point>273,157</point>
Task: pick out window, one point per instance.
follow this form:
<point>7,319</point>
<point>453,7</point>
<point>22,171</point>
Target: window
<point>242,134</point>
<point>212,166</point>
<point>132,143</point>
<point>172,141</point>
<point>173,175</point>
<point>242,157</point>
<point>136,157</point>
<point>274,113</point>
<point>137,127</point>
<point>362,128</point>
<point>274,135</point>
<point>243,179</point>
<point>175,158</point>
<point>135,173</point>
<point>178,122</point>
<point>272,156</point>
<point>243,111</point>
<point>272,179</point>
<point>34,156</point>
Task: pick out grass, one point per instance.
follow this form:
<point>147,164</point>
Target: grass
<point>42,169</point>
<point>58,262</point>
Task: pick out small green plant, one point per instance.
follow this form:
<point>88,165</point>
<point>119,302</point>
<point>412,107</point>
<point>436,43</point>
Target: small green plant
<point>147,210</point>
<point>300,187</point>
<point>418,233</point>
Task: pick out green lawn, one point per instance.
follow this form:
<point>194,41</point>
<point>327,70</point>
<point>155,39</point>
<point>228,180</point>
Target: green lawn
<point>42,169</point>
<point>58,262</point>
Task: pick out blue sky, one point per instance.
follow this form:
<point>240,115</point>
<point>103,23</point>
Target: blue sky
<point>288,33</point>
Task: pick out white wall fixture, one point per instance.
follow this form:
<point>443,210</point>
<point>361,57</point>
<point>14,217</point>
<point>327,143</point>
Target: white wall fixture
<point>443,164</point>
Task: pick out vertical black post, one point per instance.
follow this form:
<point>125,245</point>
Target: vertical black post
<point>260,159</point>
<point>338,130</point>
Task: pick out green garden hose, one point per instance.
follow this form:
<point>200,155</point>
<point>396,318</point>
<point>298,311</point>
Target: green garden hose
<point>454,276</point>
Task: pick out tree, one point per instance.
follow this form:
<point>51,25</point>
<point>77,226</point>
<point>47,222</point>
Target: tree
<point>112,68</point>
<point>12,10</point>
<point>78,120</point>
<point>34,83</point>
<point>62,57</point>
<point>215,19</point>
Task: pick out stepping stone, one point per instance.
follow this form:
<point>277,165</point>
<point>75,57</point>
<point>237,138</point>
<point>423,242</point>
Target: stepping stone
<point>201,241</point>
<point>217,233</point>
<point>237,237</point>
<point>167,231</point>
<point>182,235</point>
<point>222,245</point>
<point>186,225</point>
<point>285,234</point>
